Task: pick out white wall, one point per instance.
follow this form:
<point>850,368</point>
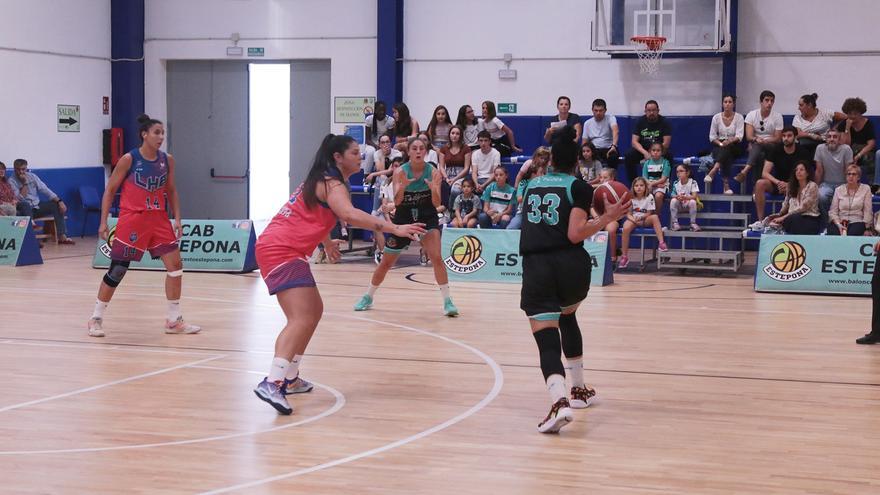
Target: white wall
<point>343,31</point>
<point>34,83</point>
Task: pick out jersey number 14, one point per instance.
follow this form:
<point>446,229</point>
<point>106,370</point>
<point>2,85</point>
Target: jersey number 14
<point>551,201</point>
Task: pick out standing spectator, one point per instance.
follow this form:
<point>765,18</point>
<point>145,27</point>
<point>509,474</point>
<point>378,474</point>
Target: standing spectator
<point>7,195</point>
<point>763,130</point>
<point>498,201</point>
<point>800,210</point>
<point>589,167</point>
<point>29,188</point>
<point>378,124</point>
<point>812,123</point>
<point>657,171</point>
<point>831,161</point>
<point>777,170</point>
<point>405,126</point>
<point>851,209</point>
<point>564,118</point>
<point>652,128</point>
<point>502,136</point>
<point>455,165</point>
<point>483,161</point>
<point>468,121</point>
<point>725,134</point>
<point>602,132</point>
<point>438,127</point>
<point>858,132</point>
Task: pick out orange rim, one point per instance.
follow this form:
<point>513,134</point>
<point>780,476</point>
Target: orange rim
<point>652,42</point>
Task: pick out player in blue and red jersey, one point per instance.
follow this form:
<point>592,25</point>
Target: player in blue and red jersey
<point>146,175</point>
<point>283,249</point>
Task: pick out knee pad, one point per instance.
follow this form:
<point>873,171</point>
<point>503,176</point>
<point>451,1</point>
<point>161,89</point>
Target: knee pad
<point>175,273</point>
<point>572,341</point>
<point>549,350</point>
<point>116,273</point>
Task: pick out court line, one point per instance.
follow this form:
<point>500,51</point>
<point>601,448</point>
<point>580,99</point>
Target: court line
<point>109,346</point>
<point>338,404</point>
<point>108,384</point>
<point>496,389</point>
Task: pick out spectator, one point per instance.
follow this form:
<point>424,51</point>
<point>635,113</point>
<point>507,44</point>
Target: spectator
<point>685,193</point>
<point>7,195</point>
<point>431,156</point>
<point>657,171</point>
<point>540,158</point>
<point>537,169</point>
<point>29,187</point>
<point>725,134</point>
<point>502,136</point>
<point>763,132</point>
<point>607,175</point>
<point>776,172</point>
<point>466,206</point>
<point>564,118</point>
<point>589,167</point>
<point>382,159</point>
<point>455,165</point>
<point>483,161</point>
<point>405,126</point>
<point>386,208</point>
<point>378,124</point>
<point>812,123</point>
<point>851,209</point>
<point>468,121</point>
<point>438,127</point>
<point>652,128</point>
<point>800,210</point>
<point>858,132</point>
<point>831,161</point>
<point>497,201</point>
<point>602,132</point>
<point>643,213</point>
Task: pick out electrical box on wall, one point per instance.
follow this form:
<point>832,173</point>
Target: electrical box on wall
<point>507,74</point>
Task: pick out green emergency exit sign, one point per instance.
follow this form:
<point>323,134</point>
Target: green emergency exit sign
<point>507,108</point>
<point>256,52</point>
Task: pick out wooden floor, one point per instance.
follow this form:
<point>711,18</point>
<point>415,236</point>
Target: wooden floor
<point>704,387</point>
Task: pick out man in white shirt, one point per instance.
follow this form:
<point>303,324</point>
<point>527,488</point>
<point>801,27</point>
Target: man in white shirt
<point>763,133</point>
<point>484,160</point>
<point>602,132</point>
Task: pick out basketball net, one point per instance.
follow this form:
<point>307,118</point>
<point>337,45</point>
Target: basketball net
<point>649,50</point>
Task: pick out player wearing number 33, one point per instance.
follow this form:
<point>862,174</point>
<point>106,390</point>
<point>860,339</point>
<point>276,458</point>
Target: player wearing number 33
<point>556,272</point>
<point>146,175</point>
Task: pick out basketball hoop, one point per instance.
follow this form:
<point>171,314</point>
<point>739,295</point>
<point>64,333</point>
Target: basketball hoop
<point>650,50</point>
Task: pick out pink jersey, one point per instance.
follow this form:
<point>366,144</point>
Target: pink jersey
<point>143,188</point>
<point>298,227</point>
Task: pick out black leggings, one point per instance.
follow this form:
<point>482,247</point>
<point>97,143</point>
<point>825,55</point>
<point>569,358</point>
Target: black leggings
<point>797,224</point>
<point>725,155</point>
<point>854,228</point>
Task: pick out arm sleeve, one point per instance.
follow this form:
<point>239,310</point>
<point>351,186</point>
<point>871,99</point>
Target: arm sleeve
<point>713,134</point>
<point>666,128</point>
<point>498,122</point>
<point>834,210</point>
<point>667,169</point>
<point>44,189</point>
<point>486,193</point>
<point>478,204</point>
<point>581,195</point>
<point>868,208</point>
<point>496,159</point>
<point>740,126</point>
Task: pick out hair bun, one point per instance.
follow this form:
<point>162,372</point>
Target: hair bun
<point>815,96</point>
<point>143,118</point>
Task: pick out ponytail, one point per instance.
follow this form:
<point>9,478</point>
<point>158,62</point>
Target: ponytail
<point>324,165</point>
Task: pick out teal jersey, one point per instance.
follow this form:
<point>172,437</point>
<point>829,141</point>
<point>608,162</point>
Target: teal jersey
<point>498,198</point>
<point>547,204</point>
<point>416,197</point>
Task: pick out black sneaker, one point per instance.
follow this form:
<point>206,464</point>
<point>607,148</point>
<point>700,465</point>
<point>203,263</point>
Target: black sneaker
<point>868,339</point>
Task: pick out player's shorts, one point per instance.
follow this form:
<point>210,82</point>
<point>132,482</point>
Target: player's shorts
<point>395,244</point>
<point>282,268</point>
<point>140,231</point>
<point>554,281</point>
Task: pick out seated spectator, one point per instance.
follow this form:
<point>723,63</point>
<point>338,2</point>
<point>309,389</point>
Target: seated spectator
<point>564,118</point>
<point>471,125</point>
<point>656,172</point>
<point>537,169</point>
<point>725,134</point>
<point>497,201</point>
<point>777,171</point>
<point>685,193</point>
<point>643,213</point>
<point>455,165</point>
<point>385,210</point>
<point>431,155</point>
<point>602,132</point>
<point>28,188</point>
<point>483,161</point>
<point>502,136</point>
<point>800,209</point>
<point>763,132</point>
<point>438,127</point>
<point>607,175</point>
<point>851,210</point>
<point>7,195</point>
<point>382,171</point>
<point>589,167</point>
<point>812,123</point>
<point>405,126</point>
<point>540,158</point>
<point>831,161</point>
<point>378,124</point>
<point>652,128</point>
<point>858,132</point>
<point>467,206</point>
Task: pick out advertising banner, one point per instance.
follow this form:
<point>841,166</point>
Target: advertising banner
<point>486,255</point>
<point>812,263</point>
<point>206,245</point>
<point>18,245</point>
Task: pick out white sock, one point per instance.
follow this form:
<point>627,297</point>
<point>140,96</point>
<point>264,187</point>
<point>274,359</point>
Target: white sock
<point>444,289</point>
<point>100,306</point>
<point>173,310</point>
<point>372,290</point>
<point>556,387</point>
<point>293,369</point>
<point>278,370</point>
<point>577,371</point>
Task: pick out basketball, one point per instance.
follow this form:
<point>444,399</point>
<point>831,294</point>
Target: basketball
<point>613,191</point>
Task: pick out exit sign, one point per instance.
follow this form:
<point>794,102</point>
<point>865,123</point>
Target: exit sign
<point>507,108</point>
<point>256,52</point>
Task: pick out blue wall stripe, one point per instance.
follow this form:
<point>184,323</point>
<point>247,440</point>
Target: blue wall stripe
<point>389,48</point>
<point>127,78</point>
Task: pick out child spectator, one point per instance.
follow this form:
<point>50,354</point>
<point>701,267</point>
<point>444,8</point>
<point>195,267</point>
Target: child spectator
<point>536,169</point>
<point>404,125</point>
<point>643,214</point>
<point>540,158</point>
<point>684,196</point>
<point>497,201</point>
<point>438,127</point>
<point>467,206</point>
<point>657,171</point>
<point>385,210</point>
<point>588,166</point>
<point>606,175</point>
<point>502,136</point>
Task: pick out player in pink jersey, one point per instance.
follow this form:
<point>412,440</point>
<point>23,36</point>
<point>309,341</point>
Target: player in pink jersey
<point>146,175</point>
<point>304,221</point>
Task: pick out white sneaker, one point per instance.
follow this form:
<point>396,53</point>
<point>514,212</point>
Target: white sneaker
<point>96,327</point>
<point>179,326</point>
<point>707,179</point>
<point>560,415</point>
<point>757,226</point>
